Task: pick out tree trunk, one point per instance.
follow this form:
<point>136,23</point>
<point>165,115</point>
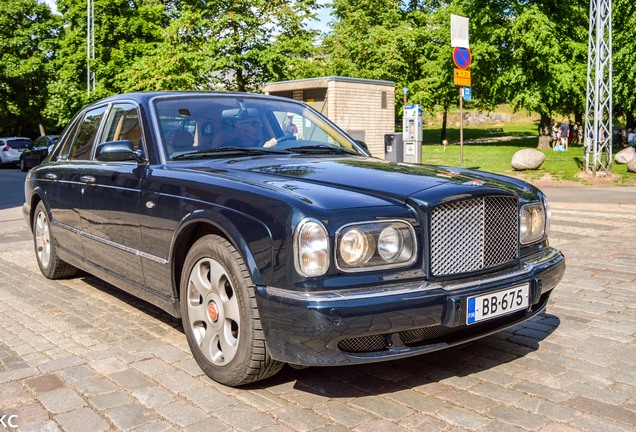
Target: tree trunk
<point>443,137</point>
<point>544,132</point>
<point>630,120</point>
<point>42,132</point>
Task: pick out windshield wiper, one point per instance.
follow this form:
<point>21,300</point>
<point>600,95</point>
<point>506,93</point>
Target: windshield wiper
<point>228,150</point>
<point>319,148</point>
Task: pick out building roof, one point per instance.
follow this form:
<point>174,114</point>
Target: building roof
<point>320,82</point>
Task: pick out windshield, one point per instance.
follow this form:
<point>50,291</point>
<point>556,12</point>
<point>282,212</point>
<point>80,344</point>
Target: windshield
<point>199,126</point>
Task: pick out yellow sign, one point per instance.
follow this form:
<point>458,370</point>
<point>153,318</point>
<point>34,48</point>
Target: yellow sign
<point>462,78</point>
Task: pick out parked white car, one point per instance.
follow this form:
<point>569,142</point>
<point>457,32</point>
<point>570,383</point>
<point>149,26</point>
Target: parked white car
<point>11,149</point>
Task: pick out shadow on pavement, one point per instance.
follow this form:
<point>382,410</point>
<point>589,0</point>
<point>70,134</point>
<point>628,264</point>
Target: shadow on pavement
<point>391,376</point>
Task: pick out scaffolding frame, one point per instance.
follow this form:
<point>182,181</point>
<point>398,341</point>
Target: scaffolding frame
<point>598,102</point>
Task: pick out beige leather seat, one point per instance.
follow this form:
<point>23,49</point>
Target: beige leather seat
<point>179,140</point>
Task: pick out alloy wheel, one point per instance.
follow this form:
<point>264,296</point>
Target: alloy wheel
<point>213,311</point>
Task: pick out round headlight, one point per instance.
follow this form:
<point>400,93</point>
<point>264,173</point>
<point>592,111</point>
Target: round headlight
<point>390,244</point>
<point>354,247</point>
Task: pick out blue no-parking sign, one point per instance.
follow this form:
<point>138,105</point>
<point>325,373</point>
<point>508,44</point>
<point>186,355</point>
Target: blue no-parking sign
<point>462,57</point>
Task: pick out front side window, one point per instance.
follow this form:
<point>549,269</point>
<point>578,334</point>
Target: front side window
<point>86,135</point>
<point>122,123</point>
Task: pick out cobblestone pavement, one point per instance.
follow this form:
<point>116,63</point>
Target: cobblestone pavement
<point>79,355</point>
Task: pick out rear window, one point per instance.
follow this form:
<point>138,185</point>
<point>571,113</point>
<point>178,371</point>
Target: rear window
<point>18,144</point>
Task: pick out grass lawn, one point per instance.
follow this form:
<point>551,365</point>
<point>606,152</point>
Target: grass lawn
<point>495,156</point>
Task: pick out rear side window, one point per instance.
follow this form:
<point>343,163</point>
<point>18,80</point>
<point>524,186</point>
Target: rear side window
<point>86,135</point>
<point>18,144</point>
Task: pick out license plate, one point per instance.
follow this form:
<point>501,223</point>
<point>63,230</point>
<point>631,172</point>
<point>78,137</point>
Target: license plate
<point>487,306</point>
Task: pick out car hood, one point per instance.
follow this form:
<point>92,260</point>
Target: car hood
<point>331,181</point>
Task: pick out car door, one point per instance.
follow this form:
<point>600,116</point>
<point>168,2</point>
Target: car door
<point>61,183</point>
<point>109,200</point>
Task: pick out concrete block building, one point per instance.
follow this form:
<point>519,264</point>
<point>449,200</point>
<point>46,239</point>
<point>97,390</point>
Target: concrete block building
<point>364,108</point>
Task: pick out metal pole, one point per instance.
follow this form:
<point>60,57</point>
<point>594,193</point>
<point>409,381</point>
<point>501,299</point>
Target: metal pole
<point>461,127</point>
<point>598,115</point>
<point>90,45</point>
<point>93,38</point>
<point>88,48</point>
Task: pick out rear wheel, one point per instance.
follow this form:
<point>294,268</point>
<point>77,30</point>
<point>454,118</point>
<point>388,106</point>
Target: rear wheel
<point>220,317</point>
<point>50,264</point>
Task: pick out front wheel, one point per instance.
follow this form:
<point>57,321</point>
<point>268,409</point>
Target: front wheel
<point>220,317</point>
<point>49,262</point>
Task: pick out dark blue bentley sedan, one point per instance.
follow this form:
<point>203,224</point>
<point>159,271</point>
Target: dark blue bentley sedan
<point>277,244</point>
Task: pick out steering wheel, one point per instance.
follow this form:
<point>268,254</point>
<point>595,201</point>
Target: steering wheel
<point>284,142</point>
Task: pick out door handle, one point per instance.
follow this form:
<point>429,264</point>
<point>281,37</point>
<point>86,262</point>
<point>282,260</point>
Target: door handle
<point>50,176</point>
<point>87,179</point>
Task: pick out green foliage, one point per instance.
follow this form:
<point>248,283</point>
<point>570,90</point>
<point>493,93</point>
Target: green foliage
<point>624,54</point>
<point>529,54</point>
<point>28,34</point>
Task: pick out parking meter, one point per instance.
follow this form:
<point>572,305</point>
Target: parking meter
<point>412,135</point>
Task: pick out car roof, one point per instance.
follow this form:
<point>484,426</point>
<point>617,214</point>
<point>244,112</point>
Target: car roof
<point>145,97</point>
<point>15,138</point>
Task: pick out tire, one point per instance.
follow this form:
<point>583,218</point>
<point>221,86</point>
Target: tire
<point>51,266</point>
<point>23,167</point>
<point>220,317</point>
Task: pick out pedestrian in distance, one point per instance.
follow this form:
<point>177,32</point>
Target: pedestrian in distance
<point>555,134</point>
<point>565,131</point>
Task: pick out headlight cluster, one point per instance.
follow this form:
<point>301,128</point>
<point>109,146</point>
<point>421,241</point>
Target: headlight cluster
<point>359,247</point>
<point>534,223</point>
<point>375,245</point>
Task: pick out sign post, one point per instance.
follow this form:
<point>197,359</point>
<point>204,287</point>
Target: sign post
<point>462,59</point>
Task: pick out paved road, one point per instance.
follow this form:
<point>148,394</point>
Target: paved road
<point>79,355</point>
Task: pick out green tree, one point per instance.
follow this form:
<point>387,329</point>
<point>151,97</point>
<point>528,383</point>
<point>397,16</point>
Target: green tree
<point>250,42</point>
<point>624,58</point>
<point>28,32</point>
<point>542,59</point>
<point>125,31</point>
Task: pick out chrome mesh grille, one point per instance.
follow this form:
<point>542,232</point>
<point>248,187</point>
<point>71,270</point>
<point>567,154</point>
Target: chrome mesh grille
<point>472,235</point>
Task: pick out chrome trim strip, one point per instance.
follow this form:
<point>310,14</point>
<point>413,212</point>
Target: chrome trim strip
<point>112,243</point>
<point>351,294</point>
<point>412,287</point>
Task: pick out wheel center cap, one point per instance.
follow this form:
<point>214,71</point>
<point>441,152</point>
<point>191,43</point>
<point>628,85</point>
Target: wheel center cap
<point>213,312</point>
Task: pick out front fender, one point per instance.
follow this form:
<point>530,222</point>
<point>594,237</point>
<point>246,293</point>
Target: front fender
<point>251,238</point>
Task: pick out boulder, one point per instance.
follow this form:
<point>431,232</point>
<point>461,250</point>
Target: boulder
<point>625,155</point>
<point>631,165</point>
<point>527,159</point>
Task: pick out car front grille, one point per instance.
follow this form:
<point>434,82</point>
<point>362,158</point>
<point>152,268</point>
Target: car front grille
<point>472,235</point>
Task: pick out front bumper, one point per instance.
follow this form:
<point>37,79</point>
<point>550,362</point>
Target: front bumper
<point>395,321</point>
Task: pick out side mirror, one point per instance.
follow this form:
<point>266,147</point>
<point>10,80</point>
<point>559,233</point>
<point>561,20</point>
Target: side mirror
<point>363,146</point>
<point>117,151</point>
